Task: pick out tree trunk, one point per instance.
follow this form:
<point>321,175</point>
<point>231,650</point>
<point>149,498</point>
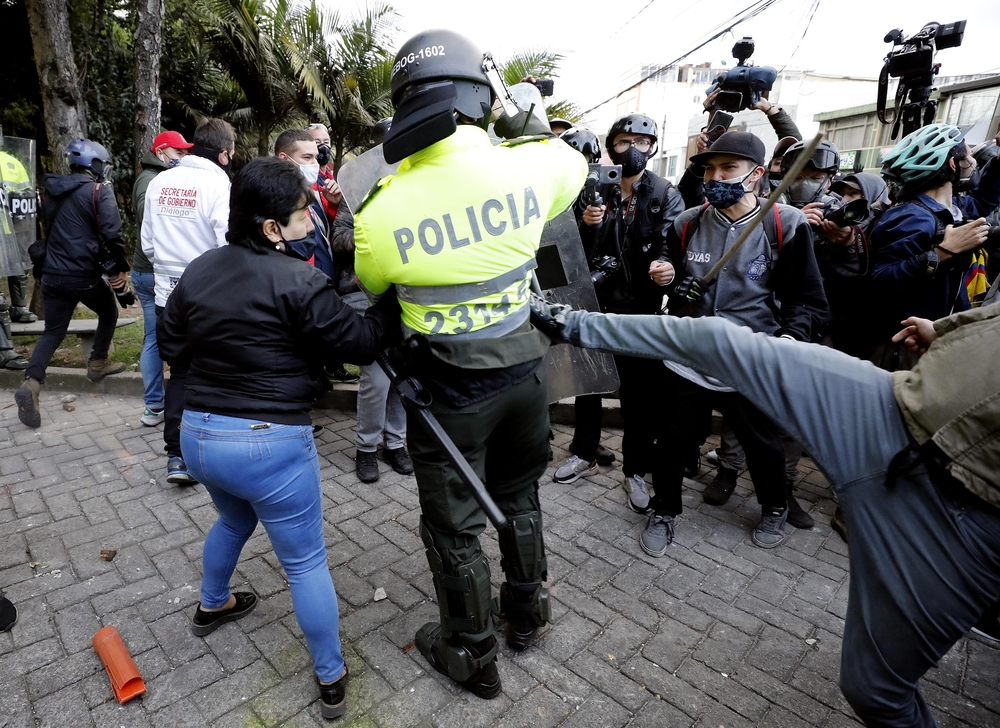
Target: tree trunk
<point>65,115</point>
<point>264,137</point>
<point>338,153</point>
<point>148,46</point>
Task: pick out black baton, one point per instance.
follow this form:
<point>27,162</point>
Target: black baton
<point>417,400</point>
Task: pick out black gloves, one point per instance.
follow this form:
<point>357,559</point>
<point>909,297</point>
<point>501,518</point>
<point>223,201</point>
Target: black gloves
<point>691,289</point>
<point>549,318</point>
<point>386,310</point>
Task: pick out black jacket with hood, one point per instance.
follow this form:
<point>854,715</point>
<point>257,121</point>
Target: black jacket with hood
<point>78,212</point>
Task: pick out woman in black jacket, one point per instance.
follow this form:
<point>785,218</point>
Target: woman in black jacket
<point>256,325</point>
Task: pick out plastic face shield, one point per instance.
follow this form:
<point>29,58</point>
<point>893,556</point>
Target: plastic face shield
<point>501,93</point>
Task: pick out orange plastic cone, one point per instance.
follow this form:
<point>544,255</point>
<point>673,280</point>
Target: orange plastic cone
<point>125,678</point>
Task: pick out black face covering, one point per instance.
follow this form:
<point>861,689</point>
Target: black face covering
<point>966,184</point>
<point>212,155</point>
<point>301,248</point>
<point>633,161</point>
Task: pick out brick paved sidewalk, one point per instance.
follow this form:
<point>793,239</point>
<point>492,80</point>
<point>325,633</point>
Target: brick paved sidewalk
<point>717,633</point>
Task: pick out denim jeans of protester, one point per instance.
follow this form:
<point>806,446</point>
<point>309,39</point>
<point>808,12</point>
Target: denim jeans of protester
<point>272,474</point>
<point>150,363</point>
<point>924,552</point>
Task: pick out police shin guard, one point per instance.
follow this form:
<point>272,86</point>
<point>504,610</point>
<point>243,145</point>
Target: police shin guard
<point>9,359</point>
<point>19,300</point>
<point>462,646</point>
<point>523,599</point>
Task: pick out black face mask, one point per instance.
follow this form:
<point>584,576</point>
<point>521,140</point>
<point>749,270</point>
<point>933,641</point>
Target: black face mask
<point>301,248</point>
<point>212,155</point>
<point>633,161</point>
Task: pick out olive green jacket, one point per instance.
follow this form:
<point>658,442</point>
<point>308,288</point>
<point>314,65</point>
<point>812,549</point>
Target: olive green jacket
<point>952,397</point>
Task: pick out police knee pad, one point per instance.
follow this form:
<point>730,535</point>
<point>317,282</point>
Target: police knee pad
<point>464,592</point>
<point>537,606</point>
<point>457,661</point>
<point>522,549</point>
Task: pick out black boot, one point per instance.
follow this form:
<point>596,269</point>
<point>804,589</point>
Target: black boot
<point>718,492</point>
<point>797,516</point>
<point>526,607</point>
<point>475,666</point>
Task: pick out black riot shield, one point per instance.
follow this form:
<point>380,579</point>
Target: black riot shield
<point>564,275</point>
<point>562,272</point>
<point>19,209</point>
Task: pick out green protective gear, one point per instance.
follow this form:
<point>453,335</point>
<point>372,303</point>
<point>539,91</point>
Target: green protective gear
<point>921,154</point>
<point>456,660</point>
<point>463,590</point>
<point>522,549</point>
<point>537,608</point>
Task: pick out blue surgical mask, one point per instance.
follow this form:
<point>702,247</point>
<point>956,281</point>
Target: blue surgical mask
<point>725,193</point>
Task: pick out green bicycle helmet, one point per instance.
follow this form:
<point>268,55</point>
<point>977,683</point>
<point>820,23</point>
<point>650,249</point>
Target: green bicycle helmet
<point>921,154</point>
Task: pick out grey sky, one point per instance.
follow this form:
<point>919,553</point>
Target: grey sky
<point>844,38</point>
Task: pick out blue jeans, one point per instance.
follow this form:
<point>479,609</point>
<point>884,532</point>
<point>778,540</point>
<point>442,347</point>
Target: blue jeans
<point>150,363</point>
<point>271,474</point>
<point>925,553</point>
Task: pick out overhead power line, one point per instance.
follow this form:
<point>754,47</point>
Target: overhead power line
<point>726,26</point>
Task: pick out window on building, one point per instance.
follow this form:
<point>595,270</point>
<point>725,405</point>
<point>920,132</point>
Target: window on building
<point>973,106</point>
<point>671,166</point>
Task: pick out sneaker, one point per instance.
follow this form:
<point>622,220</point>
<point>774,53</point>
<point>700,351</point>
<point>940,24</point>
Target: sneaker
<point>399,460</point>
<point>366,466</point>
<point>205,623</point>
<point>770,532</point>
<point>341,374</point>
<point>658,534</point>
<point>177,472</point>
<point>26,398</point>
<point>151,417</point>
<point>574,469</point>
<point>638,496</point>
<point>720,489</point>
<point>797,515</point>
<point>332,696</point>
<point>712,456</point>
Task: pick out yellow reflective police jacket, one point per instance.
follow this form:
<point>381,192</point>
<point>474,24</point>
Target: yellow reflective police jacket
<point>456,229</point>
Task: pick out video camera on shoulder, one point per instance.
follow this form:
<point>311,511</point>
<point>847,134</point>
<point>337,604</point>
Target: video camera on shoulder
<point>845,214</point>
<point>741,87</point>
<point>600,174</point>
<point>911,60</point>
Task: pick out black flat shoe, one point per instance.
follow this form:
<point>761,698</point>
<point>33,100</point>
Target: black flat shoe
<point>332,697</point>
<point>207,622</point>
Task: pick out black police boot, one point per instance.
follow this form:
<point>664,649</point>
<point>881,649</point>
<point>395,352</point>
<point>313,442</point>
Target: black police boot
<point>526,607</point>
<point>474,667</point>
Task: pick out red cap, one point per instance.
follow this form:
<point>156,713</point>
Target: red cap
<point>172,139</point>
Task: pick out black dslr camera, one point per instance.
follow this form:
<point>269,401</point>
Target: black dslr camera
<point>741,87</point>
<point>911,60</point>
<point>845,214</point>
<point>603,270</point>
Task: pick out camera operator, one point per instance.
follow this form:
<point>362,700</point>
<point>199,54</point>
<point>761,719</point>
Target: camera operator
<point>691,182</point>
<point>623,239</point>
<point>929,246</point>
<point>776,263</point>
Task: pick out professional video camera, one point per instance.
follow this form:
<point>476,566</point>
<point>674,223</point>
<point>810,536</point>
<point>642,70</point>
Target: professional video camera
<point>913,64</point>
<point>845,214</point>
<point>741,87</point>
<point>600,174</point>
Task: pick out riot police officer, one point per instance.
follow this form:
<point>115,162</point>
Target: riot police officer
<point>456,230</point>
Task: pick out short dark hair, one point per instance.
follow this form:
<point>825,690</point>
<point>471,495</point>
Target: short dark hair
<point>286,141</point>
<point>267,188</point>
<point>215,134</point>
<point>943,175</point>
